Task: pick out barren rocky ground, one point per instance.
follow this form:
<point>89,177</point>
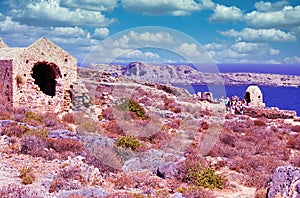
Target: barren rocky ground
<point>128,138</point>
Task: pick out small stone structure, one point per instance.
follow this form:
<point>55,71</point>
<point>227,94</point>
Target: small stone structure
<point>39,77</point>
<point>254,97</point>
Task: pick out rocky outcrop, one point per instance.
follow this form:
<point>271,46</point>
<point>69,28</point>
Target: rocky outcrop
<point>285,183</point>
<point>184,74</point>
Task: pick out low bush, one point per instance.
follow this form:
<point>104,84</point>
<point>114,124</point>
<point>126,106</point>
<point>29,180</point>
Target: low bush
<point>160,138</point>
<point>31,145</point>
<point>60,183</point>
<point>69,118</point>
<point>196,192</point>
<point>65,145</point>
<point>51,120</point>
<point>88,127</point>
<point>15,190</point>
<point>32,118</point>
<point>128,142</point>
<point>133,106</point>
<point>170,104</point>
<point>294,142</point>
<point>296,128</point>
<point>259,122</point>
<point>114,128</point>
<point>204,177</point>
<point>106,161</point>
<point>41,133</point>
<point>107,114</point>
<point>14,129</point>
<point>26,175</point>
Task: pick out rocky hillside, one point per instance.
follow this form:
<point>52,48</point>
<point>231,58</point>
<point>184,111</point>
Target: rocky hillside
<point>131,138</point>
<point>186,75</point>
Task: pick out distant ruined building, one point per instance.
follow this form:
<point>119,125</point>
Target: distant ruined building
<point>254,96</point>
<point>39,77</point>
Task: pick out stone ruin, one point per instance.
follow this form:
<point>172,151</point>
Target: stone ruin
<point>254,97</point>
<point>39,77</point>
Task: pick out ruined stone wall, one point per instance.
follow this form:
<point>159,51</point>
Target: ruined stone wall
<point>6,80</point>
<point>28,93</point>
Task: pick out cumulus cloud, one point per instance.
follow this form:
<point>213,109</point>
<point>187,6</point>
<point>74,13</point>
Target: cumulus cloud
<point>262,6</point>
<point>51,13</point>
<point>166,7</point>
<point>188,50</point>
<point>134,39</point>
<point>156,37</point>
<point>74,32</point>
<point>96,5</point>
<point>296,30</point>
<point>287,17</point>
<point>241,52</point>
<point>75,40</point>
<point>260,35</point>
<point>9,26</point>
<point>101,33</point>
<point>215,46</point>
<point>223,14</point>
<point>139,55</point>
<point>292,60</point>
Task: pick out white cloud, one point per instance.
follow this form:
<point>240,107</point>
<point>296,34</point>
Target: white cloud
<point>139,55</point>
<point>134,39</point>
<point>96,5</point>
<point>166,7</point>
<point>223,14</point>
<point>294,59</point>
<point>274,52</point>
<point>243,47</point>
<point>215,46</point>
<point>157,37</point>
<point>207,4</point>
<point>188,50</point>
<point>268,6</point>
<point>261,35</point>
<point>241,52</point>
<point>50,13</point>
<point>75,40</point>
<point>68,32</point>
<point>101,33</point>
<point>9,26</point>
<point>286,18</point>
<point>296,31</point>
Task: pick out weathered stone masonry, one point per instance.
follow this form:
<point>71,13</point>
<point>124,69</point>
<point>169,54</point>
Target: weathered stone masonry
<point>39,77</point>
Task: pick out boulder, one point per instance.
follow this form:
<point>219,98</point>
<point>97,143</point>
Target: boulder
<point>285,182</point>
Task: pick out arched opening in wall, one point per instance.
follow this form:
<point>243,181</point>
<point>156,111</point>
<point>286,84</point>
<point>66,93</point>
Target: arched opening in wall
<point>44,75</point>
<point>247,97</point>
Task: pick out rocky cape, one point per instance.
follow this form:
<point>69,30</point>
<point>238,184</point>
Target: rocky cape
<point>183,74</point>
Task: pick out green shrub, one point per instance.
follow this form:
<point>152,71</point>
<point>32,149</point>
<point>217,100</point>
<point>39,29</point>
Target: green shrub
<point>88,127</point>
<point>32,119</point>
<point>26,175</point>
<point>205,177</point>
<point>133,106</point>
<point>40,133</point>
<point>128,142</point>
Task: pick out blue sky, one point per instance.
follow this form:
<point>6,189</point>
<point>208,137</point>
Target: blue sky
<point>228,31</point>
